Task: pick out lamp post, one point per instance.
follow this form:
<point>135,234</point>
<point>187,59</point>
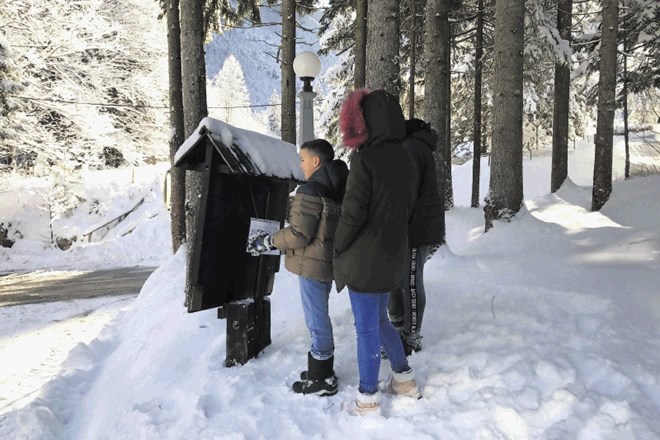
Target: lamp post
<point>307,66</point>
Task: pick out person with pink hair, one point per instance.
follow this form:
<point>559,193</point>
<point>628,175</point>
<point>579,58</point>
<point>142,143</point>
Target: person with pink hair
<point>371,240</point>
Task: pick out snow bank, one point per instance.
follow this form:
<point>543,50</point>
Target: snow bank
<point>141,239</point>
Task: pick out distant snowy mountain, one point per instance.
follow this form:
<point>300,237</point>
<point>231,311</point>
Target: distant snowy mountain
<point>257,48</point>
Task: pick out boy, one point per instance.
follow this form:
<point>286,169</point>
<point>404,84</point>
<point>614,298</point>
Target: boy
<point>307,245</point>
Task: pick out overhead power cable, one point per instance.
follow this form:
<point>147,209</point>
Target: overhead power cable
<point>97,104</point>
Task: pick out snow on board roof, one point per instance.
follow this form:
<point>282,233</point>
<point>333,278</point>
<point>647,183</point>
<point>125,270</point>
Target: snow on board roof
<point>245,151</point>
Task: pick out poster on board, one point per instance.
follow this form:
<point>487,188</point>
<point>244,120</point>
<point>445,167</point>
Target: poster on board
<point>260,226</point>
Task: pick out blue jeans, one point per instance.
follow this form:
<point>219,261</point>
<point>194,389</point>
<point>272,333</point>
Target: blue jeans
<point>374,329</point>
<point>314,295</point>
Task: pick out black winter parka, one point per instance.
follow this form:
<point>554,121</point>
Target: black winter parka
<point>428,220</point>
<point>372,235</point>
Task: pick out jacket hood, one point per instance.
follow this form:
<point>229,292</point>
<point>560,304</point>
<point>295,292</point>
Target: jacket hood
<point>333,176</point>
<point>422,131</point>
<point>368,118</point>
<point>428,136</point>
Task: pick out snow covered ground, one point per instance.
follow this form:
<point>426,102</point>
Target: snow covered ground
<point>546,327</point>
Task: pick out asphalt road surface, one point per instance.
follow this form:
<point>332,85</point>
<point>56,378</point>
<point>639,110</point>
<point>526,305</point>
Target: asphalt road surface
<point>47,286</point>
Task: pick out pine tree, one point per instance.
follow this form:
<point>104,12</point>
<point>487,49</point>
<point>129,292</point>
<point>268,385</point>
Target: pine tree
<point>177,175</point>
<point>274,114</point>
<point>506,186</point>
<point>639,62</point>
<point>606,104</point>
<point>217,13</point>
<point>382,63</point>
<point>228,97</point>
<point>466,68</point>
<point>413,59</point>
<point>339,31</point>
<point>288,53</point>
<point>436,99</point>
<point>561,101</point>
<point>361,9</point>
<point>640,26</point>
<point>339,81</point>
<point>545,47</point>
<point>478,75</point>
<point>193,69</point>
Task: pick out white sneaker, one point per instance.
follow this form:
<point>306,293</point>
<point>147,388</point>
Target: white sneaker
<point>364,405</point>
<point>403,384</point>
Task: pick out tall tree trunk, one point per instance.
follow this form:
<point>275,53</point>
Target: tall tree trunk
<point>447,151</point>
<point>437,77</point>
<point>624,97</point>
<point>413,59</point>
<point>562,94</point>
<point>360,52</point>
<point>506,184</point>
<point>383,67</point>
<point>476,137</point>
<point>288,75</point>
<point>193,69</point>
<point>606,105</point>
<point>177,175</point>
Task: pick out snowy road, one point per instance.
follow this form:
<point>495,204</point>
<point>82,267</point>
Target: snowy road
<point>38,338</point>
<point>49,286</point>
<point>51,312</point>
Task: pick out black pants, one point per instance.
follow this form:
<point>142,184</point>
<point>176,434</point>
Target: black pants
<point>407,303</point>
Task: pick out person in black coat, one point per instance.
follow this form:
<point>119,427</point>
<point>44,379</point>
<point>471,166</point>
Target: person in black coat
<point>371,240</point>
<point>407,303</point>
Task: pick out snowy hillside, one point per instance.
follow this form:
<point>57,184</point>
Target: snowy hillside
<point>256,50</point>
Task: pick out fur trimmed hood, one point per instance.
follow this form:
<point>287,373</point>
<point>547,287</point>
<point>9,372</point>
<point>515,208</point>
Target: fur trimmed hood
<point>368,117</point>
<point>351,119</point>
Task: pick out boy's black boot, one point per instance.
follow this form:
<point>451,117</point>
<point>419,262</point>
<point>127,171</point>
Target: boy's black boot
<point>319,379</point>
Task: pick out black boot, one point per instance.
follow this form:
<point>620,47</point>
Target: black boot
<point>412,343</point>
<point>319,378</point>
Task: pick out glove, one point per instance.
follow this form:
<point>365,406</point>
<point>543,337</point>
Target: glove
<point>259,244</point>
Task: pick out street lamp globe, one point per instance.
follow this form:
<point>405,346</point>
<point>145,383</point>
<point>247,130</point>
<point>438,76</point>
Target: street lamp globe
<point>307,66</point>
